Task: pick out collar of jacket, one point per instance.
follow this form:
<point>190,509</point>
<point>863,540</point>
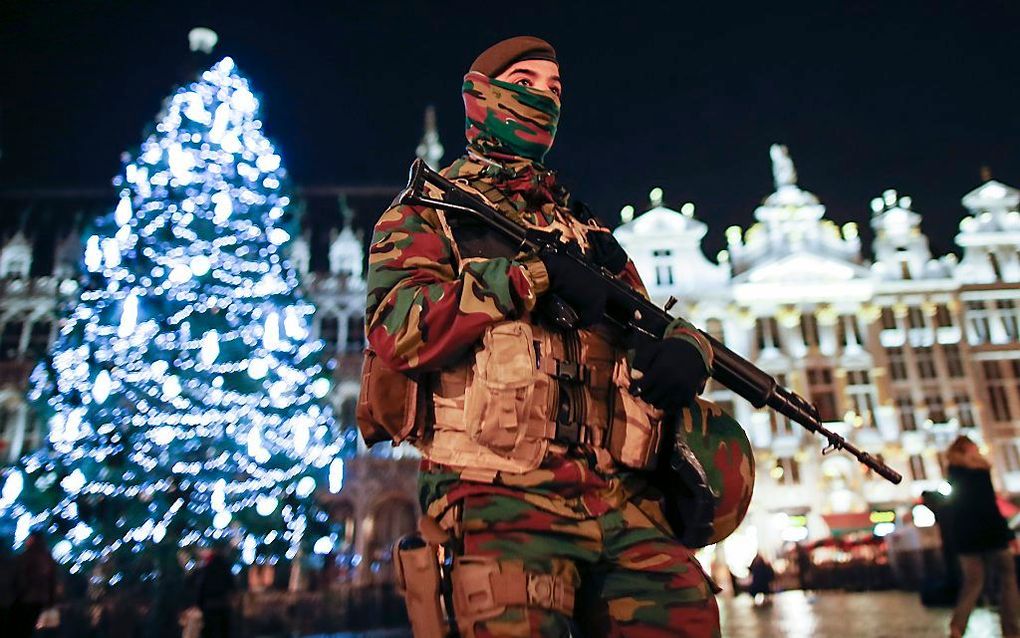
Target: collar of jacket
<point>536,184</point>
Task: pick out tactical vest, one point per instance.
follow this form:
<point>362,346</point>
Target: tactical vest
<point>528,391</point>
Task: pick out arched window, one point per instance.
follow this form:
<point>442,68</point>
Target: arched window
<point>392,519</point>
<point>348,412</point>
<point>39,338</point>
<point>10,338</point>
<point>329,329</point>
<point>355,334</point>
<point>663,266</point>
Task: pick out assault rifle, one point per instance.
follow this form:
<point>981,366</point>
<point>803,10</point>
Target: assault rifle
<point>629,310</point>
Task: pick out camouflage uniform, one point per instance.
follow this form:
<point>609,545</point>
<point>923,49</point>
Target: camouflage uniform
<point>577,517</point>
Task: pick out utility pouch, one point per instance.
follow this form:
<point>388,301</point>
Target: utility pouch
<point>388,403</point>
<point>636,426</point>
<point>500,393</point>
<point>419,580</point>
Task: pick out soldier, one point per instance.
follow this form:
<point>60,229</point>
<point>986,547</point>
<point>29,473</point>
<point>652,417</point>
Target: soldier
<point>533,438</point>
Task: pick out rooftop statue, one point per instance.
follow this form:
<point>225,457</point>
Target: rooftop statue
<point>783,171</point>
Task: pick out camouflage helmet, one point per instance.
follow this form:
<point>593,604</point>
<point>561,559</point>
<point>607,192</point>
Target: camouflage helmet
<point>716,484</point>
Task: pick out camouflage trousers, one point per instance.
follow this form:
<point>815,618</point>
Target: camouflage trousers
<point>631,577</point>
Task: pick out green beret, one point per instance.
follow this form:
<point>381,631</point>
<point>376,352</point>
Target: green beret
<point>501,55</point>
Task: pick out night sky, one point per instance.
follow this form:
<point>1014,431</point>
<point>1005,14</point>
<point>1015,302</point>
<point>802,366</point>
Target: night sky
<point>868,95</point>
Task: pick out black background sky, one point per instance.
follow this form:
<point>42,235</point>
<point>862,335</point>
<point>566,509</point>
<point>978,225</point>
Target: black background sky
<point>686,96</point>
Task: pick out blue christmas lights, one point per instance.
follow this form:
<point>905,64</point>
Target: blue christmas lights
<point>183,398</point>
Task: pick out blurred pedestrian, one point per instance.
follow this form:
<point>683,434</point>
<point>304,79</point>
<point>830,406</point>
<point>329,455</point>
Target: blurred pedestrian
<point>35,586</point>
<point>215,588</point>
<point>6,583</point>
<point>981,537</point>
<point>762,576</point>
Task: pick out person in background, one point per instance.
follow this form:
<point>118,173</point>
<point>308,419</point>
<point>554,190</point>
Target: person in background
<point>762,576</point>
<point>6,583</point>
<point>981,538</point>
<point>35,586</point>
<point>215,587</point>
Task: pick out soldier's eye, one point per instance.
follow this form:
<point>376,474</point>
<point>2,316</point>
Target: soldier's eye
<point>555,90</point>
<point>524,82</point>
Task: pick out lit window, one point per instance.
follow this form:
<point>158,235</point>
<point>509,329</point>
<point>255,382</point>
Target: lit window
<point>780,424</point>
<point>897,363</point>
<point>1008,315</point>
<point>1011,455</point>
<point>964,411</point>
<point>905,408</point>
<point>917,470</point>
<point>858,377</point>
<point>954,361</point>
<point>809,329</point>
<point>998,398</point>
<point>925,357</point>
<point>786,471</point>
<point>888,319</point>
<point>943,319</point>
<point>936,409</point>
<point>915,318</point>
<point>823,393</point>
<point>766,331</point>
<point>979,321</point>
<point>663,267</point>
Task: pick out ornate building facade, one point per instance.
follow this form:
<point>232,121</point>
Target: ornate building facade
<point>901,352</point>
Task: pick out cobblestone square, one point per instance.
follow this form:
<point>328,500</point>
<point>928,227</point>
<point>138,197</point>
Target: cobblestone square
<point>797,614</point>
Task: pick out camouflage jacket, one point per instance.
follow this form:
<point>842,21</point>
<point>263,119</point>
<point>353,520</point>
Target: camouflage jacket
<point>425,310</point>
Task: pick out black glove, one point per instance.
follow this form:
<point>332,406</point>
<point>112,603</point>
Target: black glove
<point>576,285</point>
<point>605,250</point>
<point>669,373</point>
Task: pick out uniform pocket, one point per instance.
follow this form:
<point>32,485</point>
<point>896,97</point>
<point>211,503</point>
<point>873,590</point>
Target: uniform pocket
<point>636,427</point>
<point>386,408</point>
<point>501,387</point>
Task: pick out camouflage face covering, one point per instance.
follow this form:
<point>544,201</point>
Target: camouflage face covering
<point>504,119</point>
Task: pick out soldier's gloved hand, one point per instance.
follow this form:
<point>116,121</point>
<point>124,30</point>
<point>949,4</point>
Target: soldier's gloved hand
<point>607,252</point>
<point>575,285</point>
<point>668,373</point>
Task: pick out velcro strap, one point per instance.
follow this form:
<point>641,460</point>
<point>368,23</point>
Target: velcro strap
<point>484,585</point>
<point>516,587</point>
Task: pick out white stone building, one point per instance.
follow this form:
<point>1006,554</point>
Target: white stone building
<point>901,351</point>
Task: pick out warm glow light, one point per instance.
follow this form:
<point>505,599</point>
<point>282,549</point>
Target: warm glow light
<point>922,515</point>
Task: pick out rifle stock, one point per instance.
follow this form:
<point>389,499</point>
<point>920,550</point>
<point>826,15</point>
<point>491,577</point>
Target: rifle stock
<point>632,312</point>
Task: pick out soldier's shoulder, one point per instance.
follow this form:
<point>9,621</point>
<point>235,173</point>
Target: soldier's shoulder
<point>408,218</point>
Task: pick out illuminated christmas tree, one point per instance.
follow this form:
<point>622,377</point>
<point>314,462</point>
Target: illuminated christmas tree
<point>184,397</point>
